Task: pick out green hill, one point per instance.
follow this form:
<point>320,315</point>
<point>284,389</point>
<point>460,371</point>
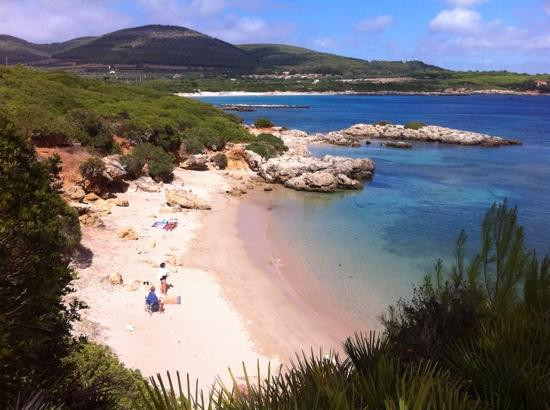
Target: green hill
<point>16,50</point>
<point>159,45</point>
<point>302,60</point>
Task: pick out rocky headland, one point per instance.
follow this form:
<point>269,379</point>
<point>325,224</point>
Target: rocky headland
<point>353,135</point>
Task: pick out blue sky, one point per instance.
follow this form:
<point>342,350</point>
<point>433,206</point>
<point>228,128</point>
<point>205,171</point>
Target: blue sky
<point>458,34</point>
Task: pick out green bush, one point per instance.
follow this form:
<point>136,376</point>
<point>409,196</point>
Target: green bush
<point>220,160</point>
<point>92,170</point>
<point>38,234</point>
<point>92,130</point>
<point>276,142</point>
<point>414,125</point>
<point>263,149</point>
<point>197,138</point>
<point>263,123</point>
<point>94,366</point>
<point>383,122</point>
<point>159,162</point>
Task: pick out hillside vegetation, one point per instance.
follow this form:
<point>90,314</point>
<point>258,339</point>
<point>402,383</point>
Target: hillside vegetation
<point>159,45</point>
<point>56,108</point>
<point>277,57</point>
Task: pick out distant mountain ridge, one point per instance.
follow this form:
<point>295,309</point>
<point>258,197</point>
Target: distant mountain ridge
<point>180,47</point>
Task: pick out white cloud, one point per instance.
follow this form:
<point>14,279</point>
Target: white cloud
<point>457,20</point>
<point>465,3</point>
<point>374,24</point>
<point>58,20</point>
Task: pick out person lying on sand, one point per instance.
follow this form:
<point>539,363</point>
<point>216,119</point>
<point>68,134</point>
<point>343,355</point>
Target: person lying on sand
<point>163,275</point>
<point>153,301</point>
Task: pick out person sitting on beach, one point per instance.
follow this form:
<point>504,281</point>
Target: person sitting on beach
<point>162,275</point>
<point>153,301</point>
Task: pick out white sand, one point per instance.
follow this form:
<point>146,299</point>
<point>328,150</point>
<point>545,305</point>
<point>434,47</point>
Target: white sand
<point>243,299</point>
<point>204,335</point>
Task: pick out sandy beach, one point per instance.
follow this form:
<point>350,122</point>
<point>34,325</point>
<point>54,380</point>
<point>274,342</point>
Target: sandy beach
<point>244,297</point>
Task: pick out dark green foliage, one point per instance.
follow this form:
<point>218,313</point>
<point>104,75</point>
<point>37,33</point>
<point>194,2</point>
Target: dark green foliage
<point>160,164</point>
<point>383,122</point>
<point>274,141</point>
<point>196,139</point>
<point>267,146</point>
<point>370,380</point>
<point>414,125</point>
<point>92,170</point>
<point>220,160</point>
<point>94,366</point>
<point>60,107</point>
<point>264,150</point>
<point>159,45</point>
<point>38,233</point>
<point>263,123</point>
<point>277,57</point>
<point>92,130</point>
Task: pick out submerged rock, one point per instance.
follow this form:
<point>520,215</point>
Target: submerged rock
<point>397,144</point>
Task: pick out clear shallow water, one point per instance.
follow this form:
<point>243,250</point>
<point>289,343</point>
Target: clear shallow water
<point>368,247</point>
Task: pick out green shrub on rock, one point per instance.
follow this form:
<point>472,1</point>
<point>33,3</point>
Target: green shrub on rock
<point>220,160</point>
<point>263,123</point>
<point>383,123</point>
<point>92,130</point>
<point>159,162</point>
<point>414,125</point>
<point>92,170</point>
<point>274,141</point>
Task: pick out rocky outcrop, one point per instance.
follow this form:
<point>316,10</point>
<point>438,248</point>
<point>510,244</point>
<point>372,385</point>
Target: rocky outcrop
<point>128,234</point>
<point>184,200</point>
<point>195,163</point>
<point>147,184</point>
<point>429,133</point>
<point>326,174</point>
<point>397,144</point>
<point>114,170</point>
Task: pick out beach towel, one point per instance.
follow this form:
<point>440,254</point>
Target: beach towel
<point>171,225</point>
<point>160,224</point>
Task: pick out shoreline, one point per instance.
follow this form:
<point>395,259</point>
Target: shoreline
<point>237,284</point>
<point>350,92</point>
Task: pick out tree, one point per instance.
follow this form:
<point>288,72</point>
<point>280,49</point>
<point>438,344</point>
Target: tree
<point>38,232</point>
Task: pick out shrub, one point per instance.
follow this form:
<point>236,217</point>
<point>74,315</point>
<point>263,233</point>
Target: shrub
<point>92,170</point>
<point>92,130</point>
<point>263,123</point>
<point>159,162</point>
<point>383,122</point>
<point>38,233</point>
<point>414,125</point>
<point>263,149</point>
<point>197,138</point>
<point>94,366</point>
<point>220,160</point>
<point>276,142</point>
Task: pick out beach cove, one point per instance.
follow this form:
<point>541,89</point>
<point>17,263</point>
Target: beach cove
<point>236,281</point>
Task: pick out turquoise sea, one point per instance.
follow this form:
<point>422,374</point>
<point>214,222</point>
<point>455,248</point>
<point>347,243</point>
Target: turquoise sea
<point>369,247</point>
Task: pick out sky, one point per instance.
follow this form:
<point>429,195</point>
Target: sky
<point>457,34</point>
